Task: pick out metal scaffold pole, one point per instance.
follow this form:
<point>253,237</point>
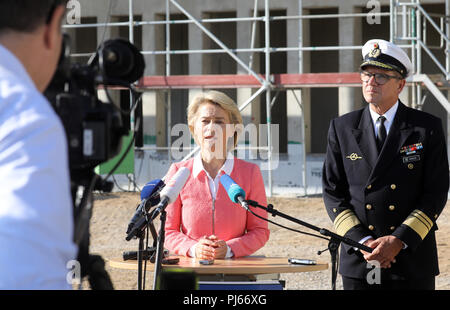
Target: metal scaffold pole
<point>447,31</point>
<point>132,97</point>
<point>253,35</point>
<point>131,38</point>
<point>168,92</point>
<point>447,65</point>
<point>268,99</point>
<point>418,57</point>
<point>392,21</point>
<point>300,102</point>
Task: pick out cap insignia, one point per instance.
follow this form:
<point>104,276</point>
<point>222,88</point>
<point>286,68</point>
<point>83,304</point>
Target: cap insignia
<point>375,52</point>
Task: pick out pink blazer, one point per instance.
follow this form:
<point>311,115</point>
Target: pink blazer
<point>191,216</point>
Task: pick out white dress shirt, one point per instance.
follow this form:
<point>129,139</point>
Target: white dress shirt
<point>389,115</point>
<point>36,221</point>
<point>213,185</point>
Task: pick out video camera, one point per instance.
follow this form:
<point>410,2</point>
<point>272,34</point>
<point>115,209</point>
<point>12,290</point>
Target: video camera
<point>94,130</point>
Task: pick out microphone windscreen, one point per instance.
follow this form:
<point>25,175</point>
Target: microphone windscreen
<point>232,188</point>
<point>150,188</point>
<point>175,184</point>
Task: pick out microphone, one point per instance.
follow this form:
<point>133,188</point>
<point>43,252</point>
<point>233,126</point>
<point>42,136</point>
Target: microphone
<point>149,198</point>
<point>235,192</point>
<point>171,191</point>
<point>151,187</point>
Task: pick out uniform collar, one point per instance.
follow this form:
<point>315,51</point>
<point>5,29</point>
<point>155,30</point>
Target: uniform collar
<point>226,168</point>
<point>10,64</point>
<point>389,114</point>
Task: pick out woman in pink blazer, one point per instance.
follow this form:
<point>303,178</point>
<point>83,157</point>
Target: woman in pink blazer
<point>203,222</point>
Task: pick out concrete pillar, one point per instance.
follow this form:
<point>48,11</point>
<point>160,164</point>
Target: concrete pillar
<point>195,43</point>
<point>294,111</point>
<point>349,35</point>
<point>153,101</point>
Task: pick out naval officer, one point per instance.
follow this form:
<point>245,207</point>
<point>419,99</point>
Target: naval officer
<point>385,180</point>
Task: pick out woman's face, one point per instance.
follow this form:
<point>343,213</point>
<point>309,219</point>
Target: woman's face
<point>212,129</point>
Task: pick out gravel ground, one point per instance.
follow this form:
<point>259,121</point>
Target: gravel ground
<point>112,213</point>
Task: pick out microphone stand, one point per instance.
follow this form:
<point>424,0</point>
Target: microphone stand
<point>333,242</point>
<point>138,231</point>
<point>140,255</point>
<point>159,249</point>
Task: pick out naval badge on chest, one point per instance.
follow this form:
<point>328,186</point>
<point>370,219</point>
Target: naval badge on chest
<point>353,156</point>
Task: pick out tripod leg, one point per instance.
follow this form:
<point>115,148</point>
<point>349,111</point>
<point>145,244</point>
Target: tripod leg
<point>98,277</point>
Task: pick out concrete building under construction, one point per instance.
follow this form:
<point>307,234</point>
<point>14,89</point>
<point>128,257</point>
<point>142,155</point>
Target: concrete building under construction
<point>289,63</point>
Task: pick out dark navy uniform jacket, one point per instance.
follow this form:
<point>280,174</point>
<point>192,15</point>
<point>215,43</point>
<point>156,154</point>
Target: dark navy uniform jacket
<point>399,192</point>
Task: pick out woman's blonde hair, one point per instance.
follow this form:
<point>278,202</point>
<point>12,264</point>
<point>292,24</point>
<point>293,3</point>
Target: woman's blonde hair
<point>220,99</point>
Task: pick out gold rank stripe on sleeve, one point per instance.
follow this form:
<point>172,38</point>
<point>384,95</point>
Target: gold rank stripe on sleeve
<point>345,221</point>
<point>419,222</point>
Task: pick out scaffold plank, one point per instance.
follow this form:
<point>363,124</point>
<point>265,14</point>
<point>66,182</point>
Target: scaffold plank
<point>199,81</point>
<point>242,80</point>
<point>351,79</point>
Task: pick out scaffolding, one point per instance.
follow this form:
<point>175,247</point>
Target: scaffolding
<point>408,22</point>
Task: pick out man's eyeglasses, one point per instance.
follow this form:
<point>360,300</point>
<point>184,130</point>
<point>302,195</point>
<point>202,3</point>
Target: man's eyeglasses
<point>380,78</point>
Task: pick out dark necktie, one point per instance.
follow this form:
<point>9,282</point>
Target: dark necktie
<point>381,133</point>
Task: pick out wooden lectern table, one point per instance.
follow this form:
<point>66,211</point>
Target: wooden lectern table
<point>251,272</point>
<point>250,265</point>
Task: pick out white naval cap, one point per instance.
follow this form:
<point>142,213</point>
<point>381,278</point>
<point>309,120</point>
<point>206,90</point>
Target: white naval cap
<point>386,55</point>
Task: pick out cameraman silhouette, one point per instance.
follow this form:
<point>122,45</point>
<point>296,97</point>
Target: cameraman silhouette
<point>36,214</point>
